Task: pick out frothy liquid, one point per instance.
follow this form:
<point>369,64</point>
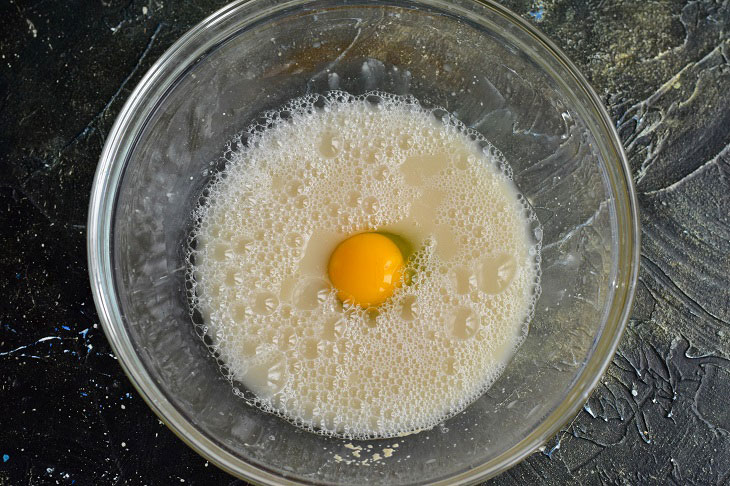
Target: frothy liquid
<point>323,169</point>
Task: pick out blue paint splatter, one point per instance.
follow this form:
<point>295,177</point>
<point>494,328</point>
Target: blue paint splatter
<point>552,451</point>
<point>538,11</point>
<point>66,327</point>
<point>84,333</point>
<point>84,394</point>
<point>7,326</point>
<point>6,458</point>
<point>17,275</point>
<point>537,14</point>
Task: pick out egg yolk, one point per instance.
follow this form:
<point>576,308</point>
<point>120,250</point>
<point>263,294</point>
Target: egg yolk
<point>366,269</point>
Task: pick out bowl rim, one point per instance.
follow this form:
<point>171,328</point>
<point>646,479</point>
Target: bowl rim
<point>99,228</point>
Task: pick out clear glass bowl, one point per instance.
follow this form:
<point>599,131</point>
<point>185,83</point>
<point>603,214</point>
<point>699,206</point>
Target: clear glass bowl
<point>473,58</point>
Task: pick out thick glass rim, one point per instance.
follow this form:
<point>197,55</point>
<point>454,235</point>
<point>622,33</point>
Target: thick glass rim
<point>133,116</point>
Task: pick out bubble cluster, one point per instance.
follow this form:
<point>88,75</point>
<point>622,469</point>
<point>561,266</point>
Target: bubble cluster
<point>321,169</point>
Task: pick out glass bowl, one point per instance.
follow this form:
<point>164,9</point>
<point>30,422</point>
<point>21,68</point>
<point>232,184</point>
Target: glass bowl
<point>473,58</point>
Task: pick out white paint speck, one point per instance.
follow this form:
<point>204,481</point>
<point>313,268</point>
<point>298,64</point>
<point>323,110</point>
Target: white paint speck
<point>32,28</point>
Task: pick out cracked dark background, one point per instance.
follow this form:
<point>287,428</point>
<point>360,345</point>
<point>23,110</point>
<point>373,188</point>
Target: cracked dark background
<point>661,414</point>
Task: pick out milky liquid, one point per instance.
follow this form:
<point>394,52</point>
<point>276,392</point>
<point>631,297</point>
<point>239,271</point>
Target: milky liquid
<point>322,170</point>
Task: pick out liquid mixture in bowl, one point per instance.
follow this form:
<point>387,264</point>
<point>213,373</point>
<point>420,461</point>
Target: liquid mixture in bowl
<point>364,266</point>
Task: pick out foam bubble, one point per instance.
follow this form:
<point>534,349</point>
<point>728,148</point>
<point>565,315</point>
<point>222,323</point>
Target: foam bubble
<point>299,181</point>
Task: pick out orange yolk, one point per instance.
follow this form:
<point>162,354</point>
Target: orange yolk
<point>366,269</point>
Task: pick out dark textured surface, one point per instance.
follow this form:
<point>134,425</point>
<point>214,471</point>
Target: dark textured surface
<point>661,415</point>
